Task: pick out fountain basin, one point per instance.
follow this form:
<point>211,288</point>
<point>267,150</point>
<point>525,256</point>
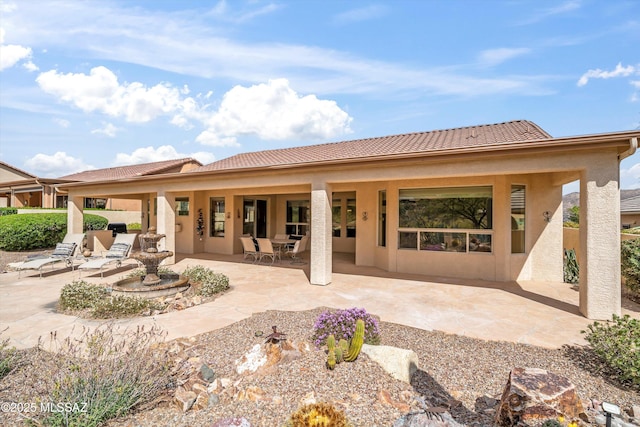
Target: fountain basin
<point>170,284</point>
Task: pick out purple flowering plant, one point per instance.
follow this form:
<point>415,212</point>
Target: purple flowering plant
<point>342,324</point>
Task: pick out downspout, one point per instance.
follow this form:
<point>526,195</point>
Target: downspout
<point>633,146</point>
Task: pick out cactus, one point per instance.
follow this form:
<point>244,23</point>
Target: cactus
<point>339,354</point>
<point>344,344</point>
<point>318,415</point>
<point>356,342</point>
<point>331,359</point>
<point>331,342</point>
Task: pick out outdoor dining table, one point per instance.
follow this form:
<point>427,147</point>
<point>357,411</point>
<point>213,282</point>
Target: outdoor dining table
<point>283,243</point>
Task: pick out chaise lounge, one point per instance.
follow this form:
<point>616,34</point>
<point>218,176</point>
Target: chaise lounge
<point>118,252</point>
<point>64,252</point>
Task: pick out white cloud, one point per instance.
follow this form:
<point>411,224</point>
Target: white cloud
<point>108,130</point>
<point>497,56</point>
<point>63,123</point>
<point>164,152</point>
<point>11,54</point>
<point>100,91</point>
<point>630,177</point>
<point>619,71</point>
<point>273,111</point>
<point>360,14</point>
<point>53,166</point>
<point>566,7</point>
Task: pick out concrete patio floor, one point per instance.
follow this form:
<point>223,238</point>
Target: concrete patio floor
<point>540,313</point>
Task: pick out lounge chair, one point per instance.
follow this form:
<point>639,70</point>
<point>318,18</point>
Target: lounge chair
<point>64,252</point>
<point>118,252</point>
<point>249,248</point>
<point>267,250</point>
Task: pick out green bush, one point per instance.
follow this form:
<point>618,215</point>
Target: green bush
<point>211,283</point>
<point>617,343</point>
<point>141,272</point>
<point>630,260</point>
<point>8,211</point>
<point>571,268</point>
<point>39,231</point>
<point>111,376</point>
<point>122,306</point>
<point>9,358</point>
<point>80,295</point>
<point>134,226</point>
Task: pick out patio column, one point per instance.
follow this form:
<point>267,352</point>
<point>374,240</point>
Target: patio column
<point>167,223</point>
<point>75,221</point>
<point>321,251</point>
<point>600,239</point>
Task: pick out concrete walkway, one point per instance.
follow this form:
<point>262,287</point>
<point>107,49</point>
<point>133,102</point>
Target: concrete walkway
<point>539,313</point>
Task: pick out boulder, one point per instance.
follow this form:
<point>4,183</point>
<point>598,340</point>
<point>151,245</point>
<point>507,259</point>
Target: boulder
<point>424,419</point>
<point>398,362</point>
<point>232,422</point>
<point>532,395</point>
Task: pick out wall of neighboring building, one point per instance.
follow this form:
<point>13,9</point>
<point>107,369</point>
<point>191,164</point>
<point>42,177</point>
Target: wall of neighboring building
<point>630,220</point>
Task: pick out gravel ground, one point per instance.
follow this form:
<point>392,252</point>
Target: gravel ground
<point>452,369</point>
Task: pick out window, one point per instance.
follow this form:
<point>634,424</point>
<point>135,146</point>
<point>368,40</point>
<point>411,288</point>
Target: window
<point>450,219</point>
<point>217,215</point>
<point>517,219</point>
<point>382,218</point>
<point>297,217</point>
<point>336,217</point>
<point>182,206</point>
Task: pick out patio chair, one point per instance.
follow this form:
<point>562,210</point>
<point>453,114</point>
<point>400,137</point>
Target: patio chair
<point>64,252</point>
<point>118,252</point>
<point>267,250</point>
<point>249,248</point>
<point>296,252</point>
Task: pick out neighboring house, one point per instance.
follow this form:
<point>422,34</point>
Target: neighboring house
<point>21,189</point>
<point>630,212</point>
<point>480,202</point>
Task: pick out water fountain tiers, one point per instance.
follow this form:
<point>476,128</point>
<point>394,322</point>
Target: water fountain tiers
<point>149,255</point>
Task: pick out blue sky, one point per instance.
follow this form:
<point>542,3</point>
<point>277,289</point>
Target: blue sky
<point>94,84</point>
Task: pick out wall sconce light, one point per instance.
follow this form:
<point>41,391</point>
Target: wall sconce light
<point>228,215</point>
<point>547,216</point>
<point>365,216</point>
<point>238,213</point>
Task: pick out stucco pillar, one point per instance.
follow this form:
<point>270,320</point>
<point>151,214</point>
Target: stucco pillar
<point>320,259</point>
<point>75,221</point>
<point>501,241</point>
<point>167,224</point>
<point>600,240</point>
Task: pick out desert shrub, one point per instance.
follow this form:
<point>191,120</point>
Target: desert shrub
<point>571,268</point>
<point>630,260</point>
<point>9,358</point>
<point>210,282</point>
<point>80,295</point>
<point>342,324</point>
<point>111,376</point>
<point>122,306</point>
<point>38,231</point>
<point>617,343</point>
<point>134,226</point>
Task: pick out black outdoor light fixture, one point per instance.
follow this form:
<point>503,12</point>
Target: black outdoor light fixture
<point>547,216</point>
<point>610,409</point>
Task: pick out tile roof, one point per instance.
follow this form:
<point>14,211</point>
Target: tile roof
<point>7,166</point>
<point>131,171</point>
<point>631,204</point>
<point>419,142</point>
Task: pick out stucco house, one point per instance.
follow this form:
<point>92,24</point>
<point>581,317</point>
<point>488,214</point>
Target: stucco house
<point>21,189</point>
<point>630,212</point>
<point>479,202</point>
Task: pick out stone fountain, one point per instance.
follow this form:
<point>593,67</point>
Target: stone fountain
<point>152,284</point>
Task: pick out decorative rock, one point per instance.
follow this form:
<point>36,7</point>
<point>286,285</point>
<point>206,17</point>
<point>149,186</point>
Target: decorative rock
<point>206,373</point>
<point>635,412</point>
<point>398,362</point>
<point>184,399</point>
<point>532,395</point>
<point>385,398</point>
<point>202,402</point>
<point>232,422</point>
<point>251,361</point>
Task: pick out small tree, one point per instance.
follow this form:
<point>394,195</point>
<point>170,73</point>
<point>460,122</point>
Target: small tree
<point>574,214</point>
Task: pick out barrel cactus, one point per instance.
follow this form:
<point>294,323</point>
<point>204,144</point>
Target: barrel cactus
<point>320,414</point>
